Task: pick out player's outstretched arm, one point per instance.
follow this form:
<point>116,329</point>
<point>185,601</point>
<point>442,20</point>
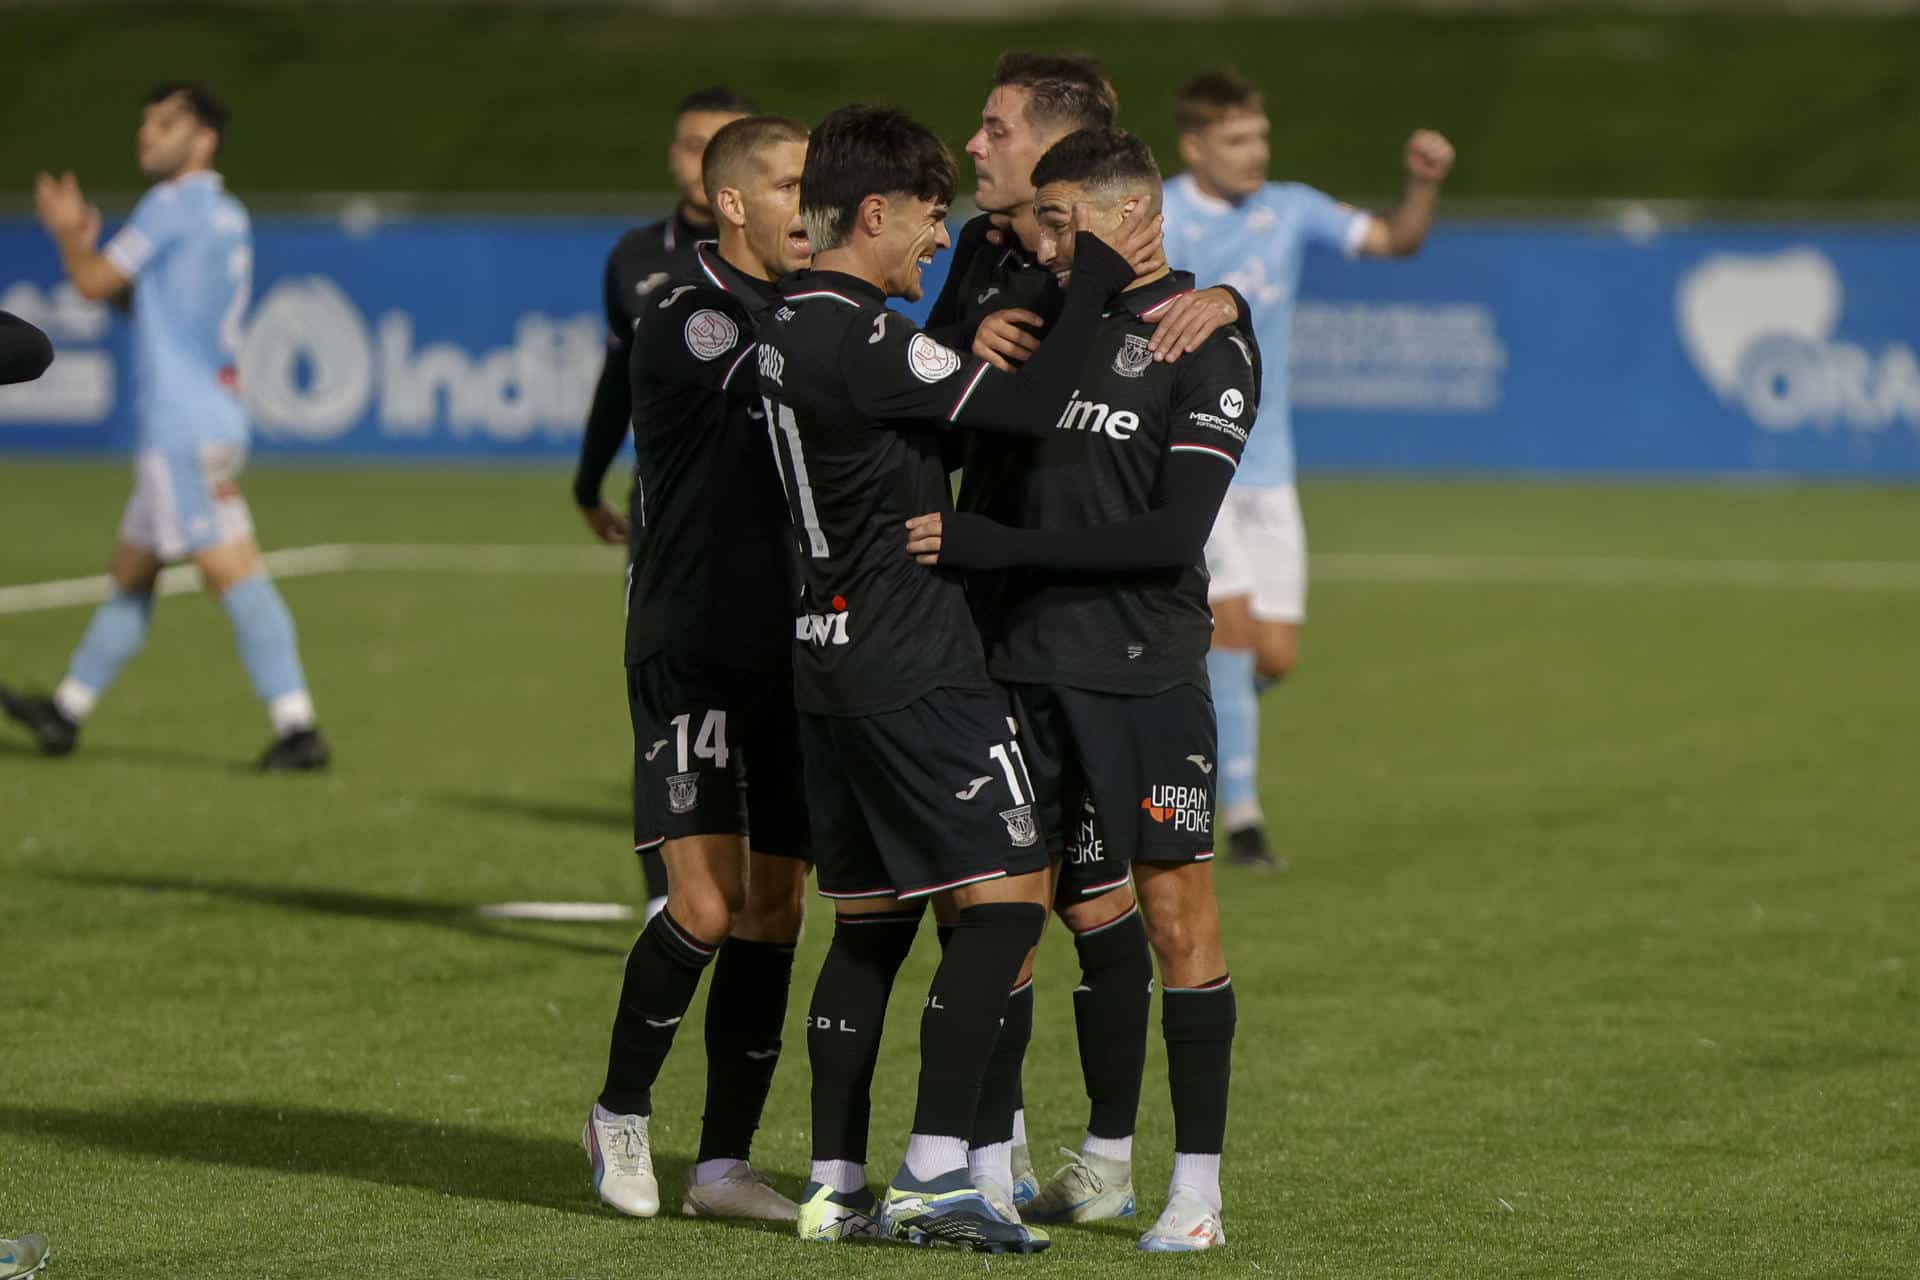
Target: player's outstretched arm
<point>75,227</point>
<point>25,352</point>
<point>1171,536</point>
<point>896,373</point>
<point>1429,159</point>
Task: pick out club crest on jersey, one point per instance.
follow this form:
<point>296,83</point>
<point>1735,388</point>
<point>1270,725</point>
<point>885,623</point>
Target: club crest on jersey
<point>711,334</point>
<point>683,792</point>
<point>1134,358</point>
<point>1020,826</point>
<point>930,361</point>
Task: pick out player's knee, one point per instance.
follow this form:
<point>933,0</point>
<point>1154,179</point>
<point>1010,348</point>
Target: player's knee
<point>1173,937</point>
<point>774,909</point>
<point>705,910</point>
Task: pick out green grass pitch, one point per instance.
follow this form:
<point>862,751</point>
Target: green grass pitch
<point>1597,957</point>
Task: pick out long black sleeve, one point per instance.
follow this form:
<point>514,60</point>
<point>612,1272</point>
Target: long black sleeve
<point>1173,535</point>
<point>612,410</point>
<point>25,352</point>
<point>946,323</point>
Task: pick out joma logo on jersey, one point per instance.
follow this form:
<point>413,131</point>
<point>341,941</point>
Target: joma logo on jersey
<point>772,364</point>
<point>821,628</point>
<point>1100,419</point>
<point>1184,808</point>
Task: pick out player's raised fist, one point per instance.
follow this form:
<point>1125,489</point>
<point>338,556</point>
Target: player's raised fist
<point>1429,156</point>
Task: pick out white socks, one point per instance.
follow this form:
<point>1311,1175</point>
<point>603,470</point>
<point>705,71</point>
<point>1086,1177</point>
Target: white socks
<point>74,699</point>
<point>929,1156</point>
<point>843,1176</point>
<point>291,713</point>
<point>1198,1174</point>
<point>1020,1127</point>
<point>992,1164</point>
<point>1120,1149</point>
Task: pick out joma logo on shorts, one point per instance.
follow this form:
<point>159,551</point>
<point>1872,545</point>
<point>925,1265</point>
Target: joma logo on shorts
<point>821,628</point>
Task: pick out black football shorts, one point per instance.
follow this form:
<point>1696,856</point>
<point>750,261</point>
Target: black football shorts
<point>1125,777</point>
<point>930,797</point>
<point>716,751</point>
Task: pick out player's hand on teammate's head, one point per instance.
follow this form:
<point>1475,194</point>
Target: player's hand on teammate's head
<point>607,524</point>
<point>1004,339</point>
<point>1189,321</point>
<point>923,538</point>
<point>1429,156</point>
<point>1137,238</point>
<point>63,209</point>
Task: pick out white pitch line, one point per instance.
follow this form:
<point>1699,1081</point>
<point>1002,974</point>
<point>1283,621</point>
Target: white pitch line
<point>1604,571</point>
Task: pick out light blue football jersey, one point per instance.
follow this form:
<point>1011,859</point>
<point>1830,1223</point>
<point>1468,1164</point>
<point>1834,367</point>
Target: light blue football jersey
<point>188,248</point>
<point>1258,246</point>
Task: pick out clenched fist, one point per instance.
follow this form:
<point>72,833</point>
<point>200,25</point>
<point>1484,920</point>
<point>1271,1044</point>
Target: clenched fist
<point>1429,156</point>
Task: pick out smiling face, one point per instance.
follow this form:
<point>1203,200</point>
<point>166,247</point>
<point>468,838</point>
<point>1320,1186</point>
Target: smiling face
<point>770,206</point>
<point>1005,148</point>
<point>172,139</point>
<point>916,230</point>
<point>1230,155</point>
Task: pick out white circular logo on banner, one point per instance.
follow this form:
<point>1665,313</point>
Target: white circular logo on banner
<point>1232,402</point>
<point>307,364</point>
<point>930,361</point>
<point>711,334</point>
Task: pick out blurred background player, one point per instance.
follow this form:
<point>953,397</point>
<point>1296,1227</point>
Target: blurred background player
<point>641,261</point>
<point>1103,639</point>
<point>1225,221</point>
<point>187,254</point>
<point>710,688</point>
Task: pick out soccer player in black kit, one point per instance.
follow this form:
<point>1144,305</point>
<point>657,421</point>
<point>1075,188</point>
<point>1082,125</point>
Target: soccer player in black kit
<point>915,776</point>
<point>996,301</point>
<point>710,689</point>
<point>642,261</point>
<point>1103,631</point>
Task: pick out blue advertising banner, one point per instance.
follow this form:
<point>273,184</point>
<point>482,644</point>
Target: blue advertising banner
<point>1513,347</point>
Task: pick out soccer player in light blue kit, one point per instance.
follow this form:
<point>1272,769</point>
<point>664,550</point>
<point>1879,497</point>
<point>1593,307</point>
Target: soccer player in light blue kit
<point>187,255</point>
<point>1227,222</point>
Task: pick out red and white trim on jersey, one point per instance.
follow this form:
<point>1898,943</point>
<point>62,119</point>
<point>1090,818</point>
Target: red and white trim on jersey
<point>706,270</point>
<point>967,394</point>
<point>821,293</point>
<point>657,841</point>
<point>1222,454</point>
<point>737,362</point>
<point>909,894</point>
<point>1163,304</point>
<point>856,893</point>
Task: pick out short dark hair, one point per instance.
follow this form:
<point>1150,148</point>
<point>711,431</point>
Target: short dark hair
<point>202,105</point>
<point>717,98</point>
<point>737,143</point>
<point>860,151</point>
<point>1212,96</point>
<point>1098,158</point>
<point>1068,91</point>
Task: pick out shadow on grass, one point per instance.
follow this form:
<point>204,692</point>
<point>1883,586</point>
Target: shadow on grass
<point>168,757</point>
<point>456,917</point>
<point>600,817</point>
<point>474,1164</point>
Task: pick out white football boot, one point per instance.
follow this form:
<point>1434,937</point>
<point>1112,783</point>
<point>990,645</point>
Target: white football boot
<point>742,1192</point>
<point>1187,1225</point>
<point>622,1162</point>
<point>1086,1189</point>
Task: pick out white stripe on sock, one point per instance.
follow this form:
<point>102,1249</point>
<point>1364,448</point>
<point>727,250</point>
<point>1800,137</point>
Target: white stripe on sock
<point>75,700</point>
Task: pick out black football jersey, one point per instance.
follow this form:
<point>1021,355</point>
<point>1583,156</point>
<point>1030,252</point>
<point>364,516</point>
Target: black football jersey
<point>710,577</point>
<point>1139,631</point>
<point>858,402</point>
<point>641,261</point>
